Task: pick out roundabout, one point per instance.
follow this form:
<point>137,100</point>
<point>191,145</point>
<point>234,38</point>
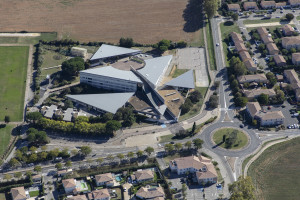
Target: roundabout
<point>230,138</point>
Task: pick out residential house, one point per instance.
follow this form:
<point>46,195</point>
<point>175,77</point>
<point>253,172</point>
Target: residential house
<point>279,78</point>
<point>267,39</point>
<point>291,76</point>
<point>50,111</point>
<point>287,30</point>
<point>236,37</point>
<point>250,6</point>
<point>78,197</point>
<point>253,109</point>
<point>296,58</point>
<point>252,94</point>
<point>279,60</point>
<point>272,49</point>
<point>268,4</point>
<point>294,3</point>
<point>239,47</point>
<point>105,179</point>
<point>271,118</point>
<point>36,178</point>
<point>150,193</point>
<point>258,78</point>
<point>244,55</point>
<point>291,42</point>
<point>69,185</point>
<point>18,193</point>
<point>194,164</point>
<point>250,65</point>
<point>102,194</point>
<point>144,175</point>
<point>280,4</point>
<point>262,31</point>
<point>234,7</point>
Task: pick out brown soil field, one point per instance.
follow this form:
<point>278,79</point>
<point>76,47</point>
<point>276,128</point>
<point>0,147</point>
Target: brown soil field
<point>146,21</point>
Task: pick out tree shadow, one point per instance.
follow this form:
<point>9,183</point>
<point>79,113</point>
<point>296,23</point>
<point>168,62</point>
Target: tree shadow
<point>193,16</point>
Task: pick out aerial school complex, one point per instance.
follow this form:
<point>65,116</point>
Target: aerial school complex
<point>136,79</point>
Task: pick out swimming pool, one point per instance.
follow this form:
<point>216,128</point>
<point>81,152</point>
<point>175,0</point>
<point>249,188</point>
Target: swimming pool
<point>118,178</point>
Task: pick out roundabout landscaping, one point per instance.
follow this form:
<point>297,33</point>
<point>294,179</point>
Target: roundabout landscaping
<point>230,138</point>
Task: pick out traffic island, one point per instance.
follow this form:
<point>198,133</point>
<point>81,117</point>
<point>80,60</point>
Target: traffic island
<point>230,138</point>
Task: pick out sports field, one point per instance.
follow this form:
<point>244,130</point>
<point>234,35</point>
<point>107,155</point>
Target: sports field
<point>13,68</point>
<point>276,173</point>
<point>106,20</point>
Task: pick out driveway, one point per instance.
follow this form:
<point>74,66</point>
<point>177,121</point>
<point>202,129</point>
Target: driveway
<point>126,194</point>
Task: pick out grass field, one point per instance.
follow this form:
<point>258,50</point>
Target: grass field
<point>196,108</point>
<point>13,69</point>
<point>5,137</point>
<point>241,141</point>
<point>210,47</point>
<point>2,196</point>
<point>259,21</point>
<point>226,29</point>
<point>34,193</point>
<point>276,173</point>
<point>105,20</point>
<point>28,40</point>
<point>177,72</point>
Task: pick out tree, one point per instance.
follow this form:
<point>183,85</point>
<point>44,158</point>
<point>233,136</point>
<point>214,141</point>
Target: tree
<point>169,148</point>
<point>120,156</point>
<point>198,143</point>
<point>68,104</point>
<point>18,174</point>
<point>44,148</point>
<point>58,166</point>
<point>7,119</point>
<point>289,16</point>
<point>213,101</point>
<point>242,189</point>
<point>99,160</point>
<point>33,149</point>
<point>72,66</point>
<point>181,44</point>
<point>139,153</point>
<point>272,79</point>
<point>126,42</point>
<point>231,139</point>
<point>7,176</point>
<point>37,168</point>
<point>110,157</point>
<point>178,146</point>
<point>85,150</point>
<point>183,190</point>
<point>74,152</point>
<point>195,96</point>
<point>32,158</point>
<point>188,144</point>
<point>13,162</point>
<point>210,7</point>
<point>130,154</point>
<point>112,126</point>
<point>33,116</point>
<point>107,117</point>
<point>241,101</point>
<point>43,155</point>
<point>194,128</point>
<point>163,45</point>
<point>68,164</point>
<point>234,16</point>
<point>263,99</point>
<point>149,150</point>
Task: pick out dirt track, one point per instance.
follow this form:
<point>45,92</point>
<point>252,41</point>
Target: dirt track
<point>146,21</point>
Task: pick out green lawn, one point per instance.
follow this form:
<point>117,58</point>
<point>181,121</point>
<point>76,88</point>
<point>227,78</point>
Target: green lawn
<point>5,137</point>
<point>298,17</point>
<point>51,59</point>
<point>13,69</point>
<point>241,141</point>
<point>28,40</point>
<point>210,47</point>
<point>226,28</point>
<point>259,21</point>
<point>2,196</point>
<point>276,173</point>
<point>177,72</point>
<point>198,40</point>
<point>196,108</point>
<point>34,193</point>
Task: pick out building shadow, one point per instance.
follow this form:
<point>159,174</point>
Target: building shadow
<point>193,16</point>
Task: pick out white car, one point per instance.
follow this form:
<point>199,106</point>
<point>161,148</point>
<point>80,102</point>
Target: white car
<point>217,44</point>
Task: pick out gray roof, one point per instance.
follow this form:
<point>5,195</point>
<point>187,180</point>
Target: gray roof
<point>155,68</point>
<point>68,115</point>
<point>110,71</point>
<point>106,51</point>
<point>109,102</point>
<point>185,80</point>
<point>49,113</point>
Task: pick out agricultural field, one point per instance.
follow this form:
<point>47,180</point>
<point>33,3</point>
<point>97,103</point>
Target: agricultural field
<point>14,61</point>
<point>275,173</point>
<point>106,20</point>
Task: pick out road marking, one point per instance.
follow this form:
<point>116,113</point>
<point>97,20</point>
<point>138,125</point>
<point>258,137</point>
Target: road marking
<point>234,176</point>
